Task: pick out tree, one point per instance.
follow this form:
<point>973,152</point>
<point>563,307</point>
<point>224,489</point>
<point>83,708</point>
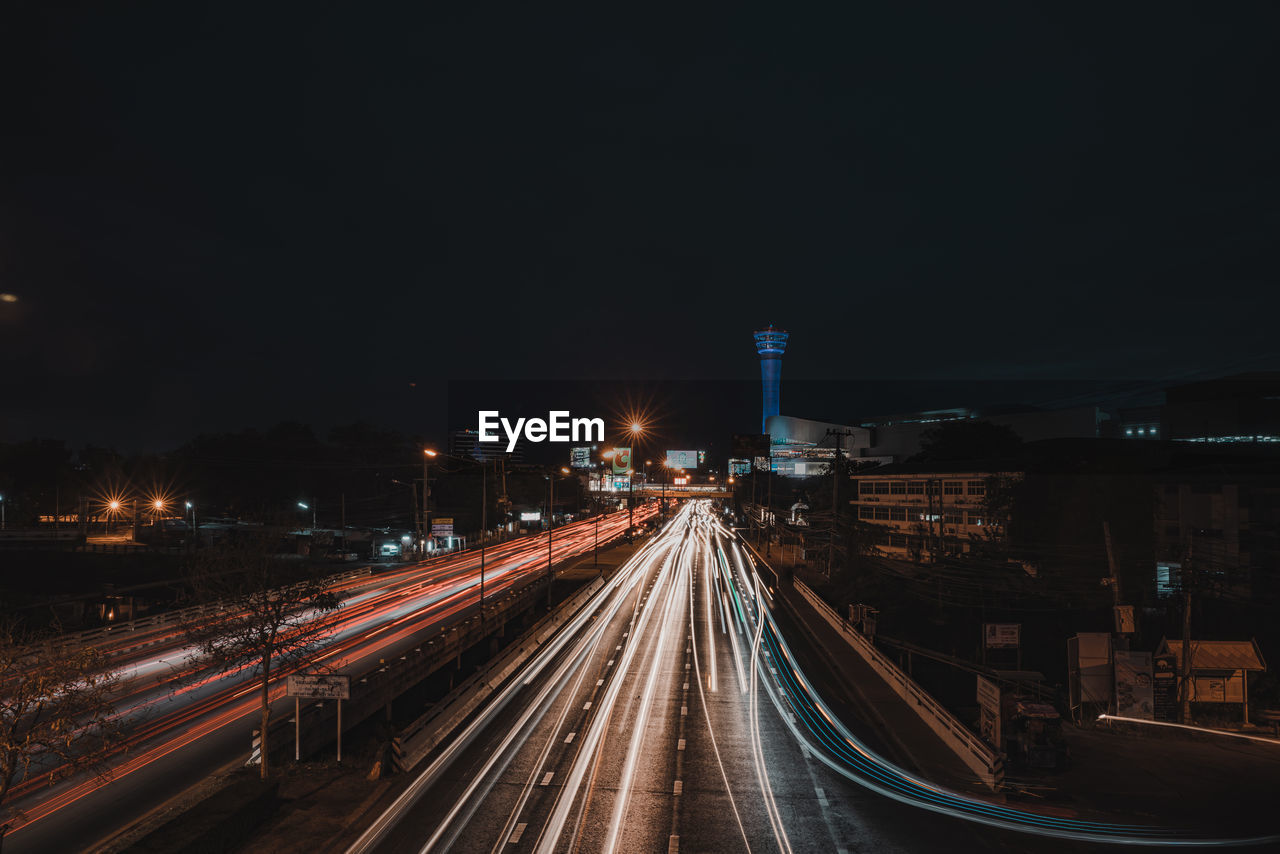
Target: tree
<point>275,614</point>
<point>56,716</point>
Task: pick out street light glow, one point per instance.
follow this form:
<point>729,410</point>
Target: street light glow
<point>304,505</point>
<point>428,452</point>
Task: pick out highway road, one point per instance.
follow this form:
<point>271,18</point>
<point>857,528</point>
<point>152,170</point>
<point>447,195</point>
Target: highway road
<point>643,732</point>
<point>184,722</point>
<point>669,715</point>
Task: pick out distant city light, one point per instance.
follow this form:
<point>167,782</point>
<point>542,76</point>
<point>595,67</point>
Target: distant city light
<point>8,297</point>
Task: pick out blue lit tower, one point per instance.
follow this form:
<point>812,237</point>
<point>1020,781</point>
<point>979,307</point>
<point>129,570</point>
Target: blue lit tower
<point>770,344</point>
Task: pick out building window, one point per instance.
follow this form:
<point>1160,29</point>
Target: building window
<point>898,514</point>
<point>866,512</point>
<point>915,487</point>
<point>953,487</point>
<point>882,487</point>
<point>898,487</point>
<point>882,512</point>
<point>977,487</point>
<point>953,518</point>
<point>898,541</point>
<point>974,518</point>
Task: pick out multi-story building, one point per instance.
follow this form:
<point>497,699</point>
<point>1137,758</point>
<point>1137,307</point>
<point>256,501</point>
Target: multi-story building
<point>1226,520</point>
<point>933,509</point>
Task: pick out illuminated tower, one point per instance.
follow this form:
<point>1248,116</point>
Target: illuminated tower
<point>770,344</point>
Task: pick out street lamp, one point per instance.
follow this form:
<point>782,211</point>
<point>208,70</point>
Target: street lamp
<point>427,454</point>
<point>311,507</point>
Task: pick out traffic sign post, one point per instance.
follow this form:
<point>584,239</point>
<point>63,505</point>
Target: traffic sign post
<point>316,687</point>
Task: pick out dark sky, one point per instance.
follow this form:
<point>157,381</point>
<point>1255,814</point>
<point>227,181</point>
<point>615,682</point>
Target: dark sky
<point>225,215</point>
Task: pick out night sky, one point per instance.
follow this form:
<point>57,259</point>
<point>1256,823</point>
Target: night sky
<point>226,216</point>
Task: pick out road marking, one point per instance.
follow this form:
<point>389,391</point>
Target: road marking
<point>684,710</point>
<point>587,706</point>
<point>687,666</point>
<point>599,682</point>
<point>618,647</point>
<point>673,845</point>
<point>568,739</point>
<point>546,778</point>
<point>822,796</point>
<point>624,634</point>
<point>517,833</point>
<point>610,664</point>
<point>678,788</point>
<point>686,686</point>
<point>680,744</point>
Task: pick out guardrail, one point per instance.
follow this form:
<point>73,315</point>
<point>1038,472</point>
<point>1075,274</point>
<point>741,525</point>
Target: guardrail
<point>972,750</point>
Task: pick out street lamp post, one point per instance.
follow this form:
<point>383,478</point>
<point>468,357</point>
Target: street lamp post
<point>551,518</point>
<point>312,507</point>
<point>484,525</point>
<point>427,454</point>
<point>2,521</point>
<point>194,537</point>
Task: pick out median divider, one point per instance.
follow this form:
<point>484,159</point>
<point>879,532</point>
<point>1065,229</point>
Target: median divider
<point>426,733</point>
<point>984,761</point>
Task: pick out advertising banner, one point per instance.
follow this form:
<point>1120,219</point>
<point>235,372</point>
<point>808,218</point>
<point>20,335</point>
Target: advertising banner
<point>621,460</point>
<point>1134,696</point>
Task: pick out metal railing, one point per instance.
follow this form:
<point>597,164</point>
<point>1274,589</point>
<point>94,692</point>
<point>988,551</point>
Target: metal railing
<point>965,743</point>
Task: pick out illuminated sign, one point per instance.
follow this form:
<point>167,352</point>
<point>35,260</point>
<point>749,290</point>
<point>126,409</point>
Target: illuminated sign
<point>442,527</point>
<point>580,457</point>
<point>680,481</point>
<point>621,460</point>
<point>531,517</point>
<point>702,457</point>
<point>737,466</point>
<point>682,459</point>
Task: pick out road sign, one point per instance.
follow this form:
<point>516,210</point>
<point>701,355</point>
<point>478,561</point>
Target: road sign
<point>989,708</point>
<point>320,687</point>
<point>442,526</point>
<point>1002,635</point>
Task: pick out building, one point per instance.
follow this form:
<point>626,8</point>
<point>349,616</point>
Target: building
<point>1227,518</point>
<point>800,447</point>
<point>771,343</point>
<point>929,510</point>
<point>898,437</point>
<point>466,443</point>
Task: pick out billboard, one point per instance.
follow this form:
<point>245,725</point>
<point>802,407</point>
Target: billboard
<point>442,526</point>
<point>682,459</point>
<point>621,460</point>
<point>737,466</point>
<point>580,457</point>
<point>1002,635</point>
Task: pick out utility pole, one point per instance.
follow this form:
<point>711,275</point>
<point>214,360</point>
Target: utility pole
<point>1184,714</point>
<point>551,509</point>
<point>835,500</point>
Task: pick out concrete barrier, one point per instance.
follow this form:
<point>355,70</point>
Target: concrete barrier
<point>972,750</point>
